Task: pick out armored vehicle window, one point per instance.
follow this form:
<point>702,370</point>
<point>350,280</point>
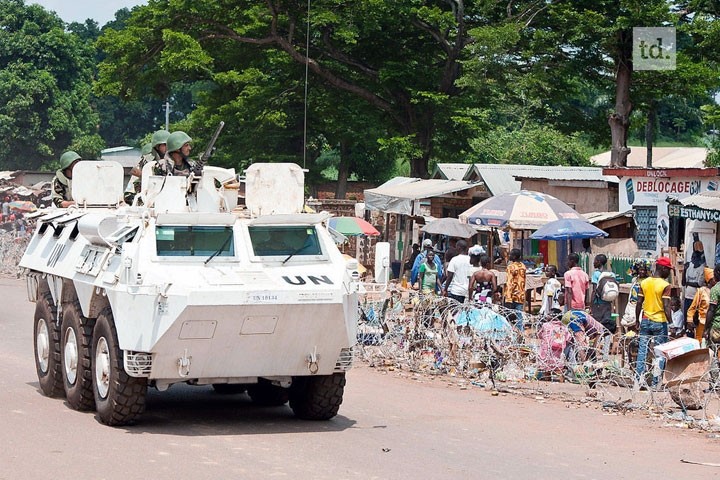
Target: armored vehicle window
<point>191,241</point>
<point>284,240</point>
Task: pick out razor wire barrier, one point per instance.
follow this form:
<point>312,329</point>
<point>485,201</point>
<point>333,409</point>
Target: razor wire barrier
<point>12,248</point>
<point>480,345</point>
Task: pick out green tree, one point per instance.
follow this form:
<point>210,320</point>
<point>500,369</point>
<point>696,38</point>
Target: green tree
<point>402,59</point>
<point>532,144</point>
<point>45,84</point>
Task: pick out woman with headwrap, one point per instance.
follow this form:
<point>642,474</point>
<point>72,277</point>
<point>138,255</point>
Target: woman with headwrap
<point>693,274</point>
<point>639,271</point>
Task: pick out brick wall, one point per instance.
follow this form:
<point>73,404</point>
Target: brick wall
<point>355,190</point>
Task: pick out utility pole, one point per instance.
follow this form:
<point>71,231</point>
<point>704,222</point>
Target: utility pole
<point>167,115</point>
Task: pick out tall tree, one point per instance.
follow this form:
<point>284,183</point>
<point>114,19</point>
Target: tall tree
<point>45,75</point>
<point>402,59</point>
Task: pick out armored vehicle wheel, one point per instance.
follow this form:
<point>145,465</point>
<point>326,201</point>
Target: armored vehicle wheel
<point>119,398</point>
<point>229,388</point>
<point>47,347</point>
<point>266,394</point>
<point>76,338</point>
<point>317,398</point>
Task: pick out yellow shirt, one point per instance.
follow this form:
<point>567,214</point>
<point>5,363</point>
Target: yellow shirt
<point>652,289</point>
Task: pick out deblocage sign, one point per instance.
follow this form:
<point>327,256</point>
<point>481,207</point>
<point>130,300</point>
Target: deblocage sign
<point>644,191</point>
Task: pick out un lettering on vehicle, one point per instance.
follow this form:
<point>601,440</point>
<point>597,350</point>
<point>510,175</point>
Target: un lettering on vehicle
<point>307,280</point>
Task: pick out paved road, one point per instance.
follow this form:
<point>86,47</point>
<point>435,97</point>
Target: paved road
<point>388,428</point>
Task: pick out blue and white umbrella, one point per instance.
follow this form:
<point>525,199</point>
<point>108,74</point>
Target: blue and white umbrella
<point>568,228</point>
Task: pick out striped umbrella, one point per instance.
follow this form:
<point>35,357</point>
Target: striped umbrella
<point>524,210</point>
<point>352,226</point>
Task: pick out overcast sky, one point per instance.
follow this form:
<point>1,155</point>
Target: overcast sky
<point>102,11</point>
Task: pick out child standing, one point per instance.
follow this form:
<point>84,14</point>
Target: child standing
<point>551,291</point>
<point>677,328</point>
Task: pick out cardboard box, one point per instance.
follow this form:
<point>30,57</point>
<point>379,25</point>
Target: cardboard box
<point>687,368</point>
<point>676,347</point>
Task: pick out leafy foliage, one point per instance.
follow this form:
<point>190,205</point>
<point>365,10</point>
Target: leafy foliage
<point>532,144</point>
<point>45,75</point>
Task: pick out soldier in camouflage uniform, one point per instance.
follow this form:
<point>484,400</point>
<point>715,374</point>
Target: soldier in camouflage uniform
<point>61,195</point>
<point>153,151</point>
<point>176,161</point>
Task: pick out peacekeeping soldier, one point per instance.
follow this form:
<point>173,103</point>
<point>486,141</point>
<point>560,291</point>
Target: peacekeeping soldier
<point>158,148</point>
<point>61,195</point>
<point>153,151</point>
<point>176,161</point>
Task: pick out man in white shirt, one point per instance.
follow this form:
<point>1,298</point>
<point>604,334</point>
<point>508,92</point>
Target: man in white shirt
<point>459,271</point>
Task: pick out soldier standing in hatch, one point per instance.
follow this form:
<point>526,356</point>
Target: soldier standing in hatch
<point>154,151</point>
<point>61,195</point>
<point>176,161</point>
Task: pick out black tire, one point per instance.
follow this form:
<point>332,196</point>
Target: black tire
<point>317,398</point>
<point>46,343</point>
<point>75,341</point>
<point>266,394</point>
<point>119,398</point>
<point>229,388</point>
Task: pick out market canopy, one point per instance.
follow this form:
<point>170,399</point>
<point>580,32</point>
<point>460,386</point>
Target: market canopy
<point>450,227</point>
<point>703,206</point>
<point>400,194</point>
<point>523,210</point>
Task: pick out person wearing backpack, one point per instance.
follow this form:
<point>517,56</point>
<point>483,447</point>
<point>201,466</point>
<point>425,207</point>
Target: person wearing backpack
<point>604,290</point>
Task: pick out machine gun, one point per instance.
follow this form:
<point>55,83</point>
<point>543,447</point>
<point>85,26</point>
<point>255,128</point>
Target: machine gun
<point>198,168</point>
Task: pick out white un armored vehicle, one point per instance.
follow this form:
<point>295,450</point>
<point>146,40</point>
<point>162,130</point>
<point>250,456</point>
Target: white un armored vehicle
<point>189,288</point>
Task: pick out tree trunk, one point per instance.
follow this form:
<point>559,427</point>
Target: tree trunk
<point>649,131</point>
<point>343,171</point>
<point>419,167</point>
<point>423,138</point>
<point>620,119</point>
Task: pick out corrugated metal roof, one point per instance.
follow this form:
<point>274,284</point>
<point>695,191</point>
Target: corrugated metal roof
<point>501,178</point>
<point>451,171</point>
<point>706,200</point>
<point>594,217</point>
<point>125,160</point>
<point>118,149</point>
<point>663,157</point>
<point>590,174</point>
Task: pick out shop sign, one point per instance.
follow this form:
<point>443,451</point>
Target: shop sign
<point>694,213</point>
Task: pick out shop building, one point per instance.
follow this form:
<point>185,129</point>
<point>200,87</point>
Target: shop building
<point>646,191</point>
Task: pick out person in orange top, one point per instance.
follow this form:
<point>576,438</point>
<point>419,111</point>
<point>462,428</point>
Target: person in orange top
<point>514,293</point>
<point>697,311</point>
